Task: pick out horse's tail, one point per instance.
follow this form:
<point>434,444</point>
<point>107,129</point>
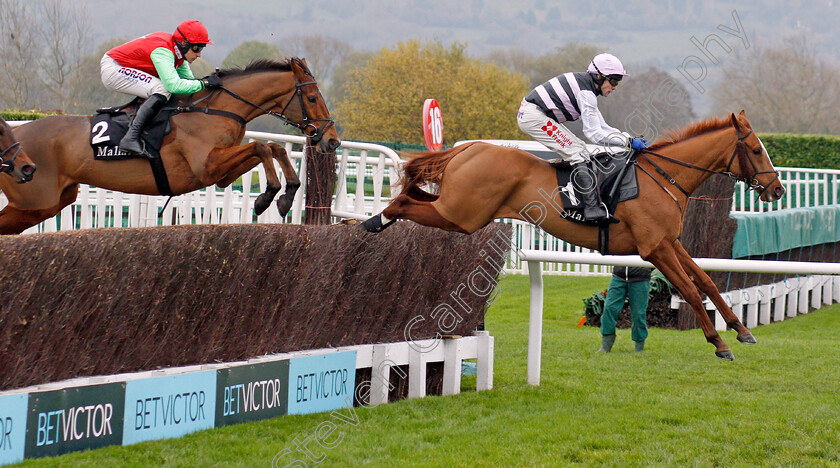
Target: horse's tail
<point>424,168</point>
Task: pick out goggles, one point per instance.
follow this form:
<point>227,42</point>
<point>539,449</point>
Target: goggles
<point>197,47</point>
<point>614,79</point>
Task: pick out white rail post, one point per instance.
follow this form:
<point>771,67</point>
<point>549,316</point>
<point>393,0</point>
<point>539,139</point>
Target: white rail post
<point>765,294</point>
<point>827,297</point>
<point>380,375</point>
<point>836,282</point>
<point>535,322</point>
<point>793,296</point>
<point>750,298</point>
<point>416,372</point>
<point>816,291</point>
<point>452,353</point>
<point>780,298</point>
<point>484,362</point>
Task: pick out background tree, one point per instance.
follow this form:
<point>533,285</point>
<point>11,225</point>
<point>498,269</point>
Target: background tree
<point>19,49</point>
<point>341,74</point>
<point>248,51</point>
<point>87,90</point>
<point>573,57</point>
<point>322,54</point>
<point>783,88</point>
<point>384,99</point>
<point>65,33</point>
<point>648,102</point>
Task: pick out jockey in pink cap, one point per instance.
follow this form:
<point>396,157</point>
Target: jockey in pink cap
<point>569,97</point>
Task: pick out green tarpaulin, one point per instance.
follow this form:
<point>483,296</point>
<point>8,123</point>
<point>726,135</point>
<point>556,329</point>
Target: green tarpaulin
<point>777,231</point>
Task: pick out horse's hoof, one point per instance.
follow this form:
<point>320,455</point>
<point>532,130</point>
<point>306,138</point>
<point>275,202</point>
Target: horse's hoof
<point>261,204</point>
<point>747,338</point>
<point>725,355</point>
<point>283,206</point>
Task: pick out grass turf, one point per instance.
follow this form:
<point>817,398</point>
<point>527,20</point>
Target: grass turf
<point>777,404</point>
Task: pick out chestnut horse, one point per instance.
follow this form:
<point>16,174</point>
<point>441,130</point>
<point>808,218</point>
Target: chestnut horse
<point>480,182</point>
<point>202,148</point>
<point>13,159</point>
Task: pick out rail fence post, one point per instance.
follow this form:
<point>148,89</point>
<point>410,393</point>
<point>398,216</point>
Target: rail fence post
<point>535,323</point>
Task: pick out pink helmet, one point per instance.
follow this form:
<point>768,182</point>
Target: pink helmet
<point>191,31</point>
<point>606,64</point>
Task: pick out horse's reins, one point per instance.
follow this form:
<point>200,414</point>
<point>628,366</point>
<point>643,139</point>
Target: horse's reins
<point>751,181</point>
<point>317,132</point>
<point>8,165</point>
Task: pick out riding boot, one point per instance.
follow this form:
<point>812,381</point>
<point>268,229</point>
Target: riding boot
<point>593,209</point>
<point>131,143</point>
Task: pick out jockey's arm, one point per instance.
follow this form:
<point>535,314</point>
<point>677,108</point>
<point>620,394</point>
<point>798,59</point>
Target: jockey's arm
<point>594,126</point>
<point>173,79</point>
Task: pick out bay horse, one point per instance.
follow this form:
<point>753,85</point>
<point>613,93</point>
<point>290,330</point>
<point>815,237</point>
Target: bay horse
<point>203,148</point>
<point>480,182</point>
<point>14,161</point>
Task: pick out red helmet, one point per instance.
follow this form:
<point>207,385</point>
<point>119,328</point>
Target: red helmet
<point>192,31</point>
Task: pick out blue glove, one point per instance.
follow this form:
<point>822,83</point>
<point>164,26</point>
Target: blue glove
<point>638,143</point>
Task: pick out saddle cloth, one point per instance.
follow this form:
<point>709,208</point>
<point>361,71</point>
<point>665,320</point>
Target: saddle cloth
<point>608,167</point>
<point>109,125</point>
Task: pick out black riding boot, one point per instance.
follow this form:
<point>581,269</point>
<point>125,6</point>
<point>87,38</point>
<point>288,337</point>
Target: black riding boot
<point>131,141</point>
<point>587,189</point>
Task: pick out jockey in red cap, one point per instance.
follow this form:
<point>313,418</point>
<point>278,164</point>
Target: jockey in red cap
<point>153,67</point>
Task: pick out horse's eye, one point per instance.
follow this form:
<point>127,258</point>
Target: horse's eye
<point>757,151</point>
<point>311,99</point>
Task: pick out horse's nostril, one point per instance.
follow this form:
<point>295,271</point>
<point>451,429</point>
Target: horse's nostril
<point>28,170</point>
<point>334,143</point>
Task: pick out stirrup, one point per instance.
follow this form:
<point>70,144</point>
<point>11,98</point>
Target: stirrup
<point>143,151</point>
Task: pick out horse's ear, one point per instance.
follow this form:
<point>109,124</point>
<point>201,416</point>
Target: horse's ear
<point>734,120</point>
<point>737,121</point>
<point>742,113</point>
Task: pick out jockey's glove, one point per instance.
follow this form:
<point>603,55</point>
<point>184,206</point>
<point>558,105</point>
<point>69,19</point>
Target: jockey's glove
<point>211,81</point>
<point>638,143</point>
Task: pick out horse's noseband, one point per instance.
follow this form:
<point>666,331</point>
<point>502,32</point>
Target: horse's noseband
<point>317,131</point>
<point>7,165</point>
<point>750,180</point>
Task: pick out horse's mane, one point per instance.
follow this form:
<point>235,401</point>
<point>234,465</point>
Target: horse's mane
<point>692,130</point>
<point>265,65</point>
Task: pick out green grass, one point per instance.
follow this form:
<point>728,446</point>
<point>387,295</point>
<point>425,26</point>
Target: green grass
<point>777,404</point>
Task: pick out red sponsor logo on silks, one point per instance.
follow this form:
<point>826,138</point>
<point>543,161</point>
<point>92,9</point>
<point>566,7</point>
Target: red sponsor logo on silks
<point>551,130</point>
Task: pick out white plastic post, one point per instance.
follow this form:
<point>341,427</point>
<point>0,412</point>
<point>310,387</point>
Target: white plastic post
<point>451,367</point>
<point>416,373</point>
<point>484,362</point>
<point>380,375</point>
<point>765,294</point>
<point>535,322</point>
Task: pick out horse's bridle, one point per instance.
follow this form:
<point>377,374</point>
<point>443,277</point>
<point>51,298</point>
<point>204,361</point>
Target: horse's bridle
<point>751,181</point>
<point>317,131</point>
<point>7,165</point>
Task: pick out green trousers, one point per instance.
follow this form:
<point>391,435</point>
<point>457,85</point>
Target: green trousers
<point>638,293</point>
